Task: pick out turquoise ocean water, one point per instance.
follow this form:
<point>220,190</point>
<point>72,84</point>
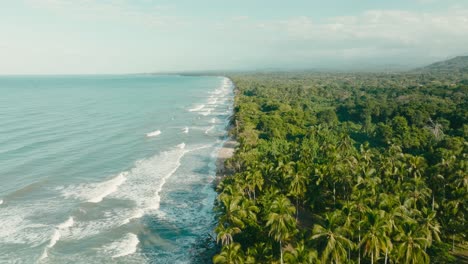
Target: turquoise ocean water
<point>108,169</point>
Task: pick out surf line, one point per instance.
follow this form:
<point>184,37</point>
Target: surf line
<point>197,108</point>
<point>127,246</point>
<point>154,133</point>
<point>56,236</point>
<point>163,179</point>
<point>110,187</point>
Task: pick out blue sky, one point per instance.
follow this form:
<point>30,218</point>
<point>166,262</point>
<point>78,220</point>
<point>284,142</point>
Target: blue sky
<point>131,36</point>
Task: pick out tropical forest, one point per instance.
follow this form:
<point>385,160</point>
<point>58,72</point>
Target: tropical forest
<point>347,168</point>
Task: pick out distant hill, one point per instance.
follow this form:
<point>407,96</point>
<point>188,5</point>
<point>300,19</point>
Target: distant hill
<point>456,65</point>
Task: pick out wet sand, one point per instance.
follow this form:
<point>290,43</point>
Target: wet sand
<point>225,152</point>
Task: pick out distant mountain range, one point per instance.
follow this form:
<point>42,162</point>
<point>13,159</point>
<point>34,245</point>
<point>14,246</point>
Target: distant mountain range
<point>456,65</point>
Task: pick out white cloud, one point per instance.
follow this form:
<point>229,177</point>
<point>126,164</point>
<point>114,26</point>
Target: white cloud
<point>121,36</point>
<point>391,33</point>
<point>106,10</point>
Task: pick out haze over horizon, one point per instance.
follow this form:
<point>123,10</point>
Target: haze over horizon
<point>101,36</point>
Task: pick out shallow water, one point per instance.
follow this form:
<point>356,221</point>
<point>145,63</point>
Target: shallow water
<point>108,169</point>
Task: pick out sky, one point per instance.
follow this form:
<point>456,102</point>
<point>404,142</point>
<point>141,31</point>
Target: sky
<point>141,36</point>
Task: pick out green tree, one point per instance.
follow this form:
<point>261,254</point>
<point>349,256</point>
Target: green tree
<point>298,188</point>
<point>300,254</point>
<point>334,234</point>
<point>412,242</point>
<point>225,234</point>
<point>376,235</point>
<point>230,254</point>
<point>281,221</point>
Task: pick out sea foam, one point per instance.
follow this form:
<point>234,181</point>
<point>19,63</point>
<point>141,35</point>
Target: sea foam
<point>209,129</point>
<point>197,108</point>
<point>141,185</point>
<point>17,224</point>
<point>120,248</point>
<point>154,133</point>
<point>106,221</point>
<point>56,236</point>
<point>95,192</point>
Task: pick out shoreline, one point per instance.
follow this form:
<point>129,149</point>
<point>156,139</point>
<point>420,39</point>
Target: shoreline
<point>227,149</point>
<point>224,153</point>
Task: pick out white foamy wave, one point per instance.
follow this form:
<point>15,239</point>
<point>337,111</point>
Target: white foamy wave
<point>109,187</point>
<point>1,202</point>
<point>157,197</point>
<point>212,100</point>
<point>108,220</point>
<point>17,224</point>
<point>137,214</point>
<point>154,133</point>
<point>56,236</point>
<point>141,185</point>
<point>147,178</point>
<point>209,129</point>
<point>126,246</point>
<point>67,224</point>
<point>207,112</point>
<point>213,121</point>
<point>94,192</point>
<point>185,130</point>
<point>218,91</point>
<point>197,108</point>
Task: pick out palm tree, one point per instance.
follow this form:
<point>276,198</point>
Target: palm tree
<point>335,235</point>
<point>376,237</point>
<point>232,214</point>
<point>427,221</point>
<point>250,211</point>
<point>301,255</point>
<point>412,242</point>
<point>255,181</point>
<point>298,188</point>
<point>228,191</point>
<point>259,253</point>
<point>225,234</point>
<point>417,164</point>
<point>237,211</point>
<point>418,192</point>
<point>281,220</point>
<point>360,206</point>
<point>284,171</point>
<point>230,254</point>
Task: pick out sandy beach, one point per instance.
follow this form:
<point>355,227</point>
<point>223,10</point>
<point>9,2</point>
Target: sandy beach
<point>225,152</point>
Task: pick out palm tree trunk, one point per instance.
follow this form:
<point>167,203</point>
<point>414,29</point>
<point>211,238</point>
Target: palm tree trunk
<point>453,243</point>
<point>297,208</point>
<point>334,195</point>
<point>281,252</point>
<point>433,201</point>
<point>359,253</point>
<point>349,254</point>
<point>372,258</point>
<point>386,255</point>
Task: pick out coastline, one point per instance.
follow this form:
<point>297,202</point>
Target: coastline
<point>208,247</point>
<point>224,153</point>
<point>227,149</point>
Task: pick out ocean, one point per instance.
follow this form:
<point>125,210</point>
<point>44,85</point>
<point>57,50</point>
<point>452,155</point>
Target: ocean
<point>109,169</point>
